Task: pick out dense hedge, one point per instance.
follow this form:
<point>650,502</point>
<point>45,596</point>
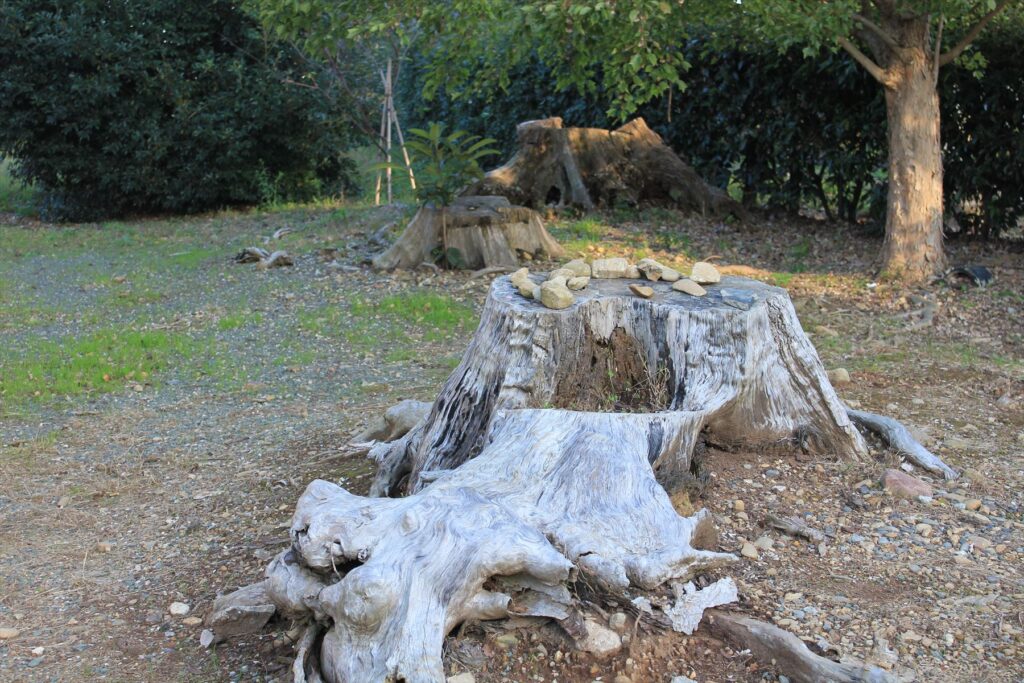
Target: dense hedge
<point>790,131</point>
<point>114,106</point>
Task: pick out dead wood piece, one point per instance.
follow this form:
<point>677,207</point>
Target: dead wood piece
<point>251,255</point>
<point>593,167</point>
<point>276,260</point>
<point>395,423</point>
<point>901,440</point>
<point>790,655</point>
<point>246,610</point>
<point>795,527</point>
<point>487,232</point>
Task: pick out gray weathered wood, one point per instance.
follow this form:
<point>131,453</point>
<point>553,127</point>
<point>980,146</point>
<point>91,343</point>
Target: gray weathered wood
<point>789,654</point>
<point>735,361</point>
<point>900,439</point>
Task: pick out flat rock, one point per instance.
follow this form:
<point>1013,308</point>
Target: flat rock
<point>178,609</point>
<point>617,622</point>
<point>521,275</point>
<point>749,551</point>
<point>632,273</point>
<point>704,273</point>
<point>609,268</point>
<point>578,266</point>
<point>642,291</point>
<point>902,485</point>
<point>462,678</point>
<point>688,286</point>
<point>565,273</point>
<point>555,295</point>
<point>575,284</point>
<point>9,633</point>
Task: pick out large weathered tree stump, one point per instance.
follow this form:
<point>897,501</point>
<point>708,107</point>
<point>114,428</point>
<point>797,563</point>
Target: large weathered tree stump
<point>545,459</point>
<point>592,167</point>
<point>734,365</point>
<point>487,231</point>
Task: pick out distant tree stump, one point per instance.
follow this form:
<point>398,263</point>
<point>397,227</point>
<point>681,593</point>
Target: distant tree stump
<point>487,231</point>
<point>592,168</point>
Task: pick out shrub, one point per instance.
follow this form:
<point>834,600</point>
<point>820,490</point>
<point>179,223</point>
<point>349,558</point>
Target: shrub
<point>115,106</point>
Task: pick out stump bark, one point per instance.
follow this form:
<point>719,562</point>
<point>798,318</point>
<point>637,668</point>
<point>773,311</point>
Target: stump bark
<point>592,167</point>
<point>487,231</point>
<point>544,460</point>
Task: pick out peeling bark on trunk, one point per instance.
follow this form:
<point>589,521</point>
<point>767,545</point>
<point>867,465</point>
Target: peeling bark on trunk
<point>734,363</point>
<point>488,232</point>
<point>592,167</point>
<point>913,225</point>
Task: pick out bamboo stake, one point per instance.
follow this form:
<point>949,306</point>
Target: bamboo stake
<point>388,116</point>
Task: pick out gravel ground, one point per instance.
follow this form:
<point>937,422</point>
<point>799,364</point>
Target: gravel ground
<point>117,502</point>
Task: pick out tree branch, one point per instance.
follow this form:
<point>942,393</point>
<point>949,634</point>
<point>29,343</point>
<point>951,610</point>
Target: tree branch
<point>938,47</point>
<point>865,61</point>
<point>955,52</point>
<point>886,37</point>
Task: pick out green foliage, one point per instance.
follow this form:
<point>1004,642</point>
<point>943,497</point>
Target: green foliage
<point>111,108</point>
<point>446,163</point>
<point>823,145</point>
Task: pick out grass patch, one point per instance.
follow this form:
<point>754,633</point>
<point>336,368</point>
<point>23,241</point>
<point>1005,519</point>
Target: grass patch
<point>96,363</point>
<point>233,321</point>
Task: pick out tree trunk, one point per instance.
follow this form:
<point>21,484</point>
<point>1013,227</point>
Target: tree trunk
<point>913,226</point>
<point>591,168</point>
<point>487,232</point>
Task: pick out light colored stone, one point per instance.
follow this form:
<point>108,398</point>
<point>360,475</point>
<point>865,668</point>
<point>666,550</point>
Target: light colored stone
<point>764,543</point>
<point>749,551</point>
<point>654,271</point>
<point>609,268</point>
<point>521,275</point>
<point>599,640</point>
<point>506,641</point>
<point>617,622</point>
<point>557,279</point>
<point>575,284</point>
<point>642,291</point>
<point>178,609</point>
<point>191,621</point>
<point>839,376</point>
<point>526,289</point>
<point>9,633</point>
<point>688,286</point>
<point>979,542</point>
<point>973,504</point>
<point>682,679</point>
<point>903,485</point>
<point>464,677</point>
<point>633,273</point>
<point>578,266</point>
<point>562,272</point>
<point>104,547</point>
<point>555,295</point>
<point>704,273</point>
<point>739,505</point>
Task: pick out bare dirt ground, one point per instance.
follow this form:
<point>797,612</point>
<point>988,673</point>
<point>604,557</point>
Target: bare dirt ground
<point>116,501</point>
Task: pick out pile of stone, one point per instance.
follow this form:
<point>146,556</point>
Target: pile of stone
<point>557,290</point>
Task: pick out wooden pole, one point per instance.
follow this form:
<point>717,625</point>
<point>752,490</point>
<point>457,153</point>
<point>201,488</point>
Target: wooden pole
<point>388,117</point>
<point>405,152</point>
<point>376,191</point>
